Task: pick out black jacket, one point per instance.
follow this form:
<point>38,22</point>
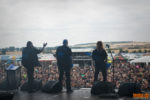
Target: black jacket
<point>29,57</point>
<point>99,57</point>
<point>64,56</point>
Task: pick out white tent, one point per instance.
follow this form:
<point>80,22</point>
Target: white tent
<point>144,59</point>
<point>46,57</point>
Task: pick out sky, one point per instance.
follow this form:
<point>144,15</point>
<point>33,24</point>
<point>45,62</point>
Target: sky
<point>79,21</point>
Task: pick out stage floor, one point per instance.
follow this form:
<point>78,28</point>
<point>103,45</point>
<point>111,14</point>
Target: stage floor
<point>78,94</point>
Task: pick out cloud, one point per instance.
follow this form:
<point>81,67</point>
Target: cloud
<point>80,21</point>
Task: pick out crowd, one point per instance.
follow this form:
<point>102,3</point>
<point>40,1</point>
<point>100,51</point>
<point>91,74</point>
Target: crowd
<point>2,74</point>
<point>83,77</point>
<point>2,71</point>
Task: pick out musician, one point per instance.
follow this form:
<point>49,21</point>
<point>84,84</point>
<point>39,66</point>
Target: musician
<point>30,60</point>
<point>64,62</point>
<point>99,56</point>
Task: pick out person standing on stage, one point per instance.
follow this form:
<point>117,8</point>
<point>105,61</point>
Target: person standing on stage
<point>99,56</point>
<point>30,60</point>
<point>64,62</point>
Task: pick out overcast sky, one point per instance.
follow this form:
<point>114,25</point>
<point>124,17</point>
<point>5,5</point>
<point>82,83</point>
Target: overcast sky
<point>79,21</point>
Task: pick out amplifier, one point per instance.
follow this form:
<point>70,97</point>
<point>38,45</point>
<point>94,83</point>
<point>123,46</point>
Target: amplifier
<point>13,77</point>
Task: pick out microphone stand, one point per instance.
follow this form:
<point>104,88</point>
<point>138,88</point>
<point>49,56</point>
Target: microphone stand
<point>112,62</point>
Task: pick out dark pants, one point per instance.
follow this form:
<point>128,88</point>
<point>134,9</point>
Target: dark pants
<point>30,76</point>
<point>66,70</point>
<point>101,68</point>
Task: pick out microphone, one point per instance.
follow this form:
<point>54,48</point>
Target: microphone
<point>107,45</point>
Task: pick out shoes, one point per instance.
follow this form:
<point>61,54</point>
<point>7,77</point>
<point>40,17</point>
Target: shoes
<point>69,91</point>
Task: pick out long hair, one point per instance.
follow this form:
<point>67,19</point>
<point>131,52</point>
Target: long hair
<point>99,46</point>
<point>29,44</point>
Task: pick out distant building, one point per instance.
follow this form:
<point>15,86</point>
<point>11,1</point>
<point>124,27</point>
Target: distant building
<point>82,57</point>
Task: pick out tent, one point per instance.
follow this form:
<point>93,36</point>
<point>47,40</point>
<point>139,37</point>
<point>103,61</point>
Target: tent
<point>120,57</point>
<point>46,59</point>
<point>144,59</point>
